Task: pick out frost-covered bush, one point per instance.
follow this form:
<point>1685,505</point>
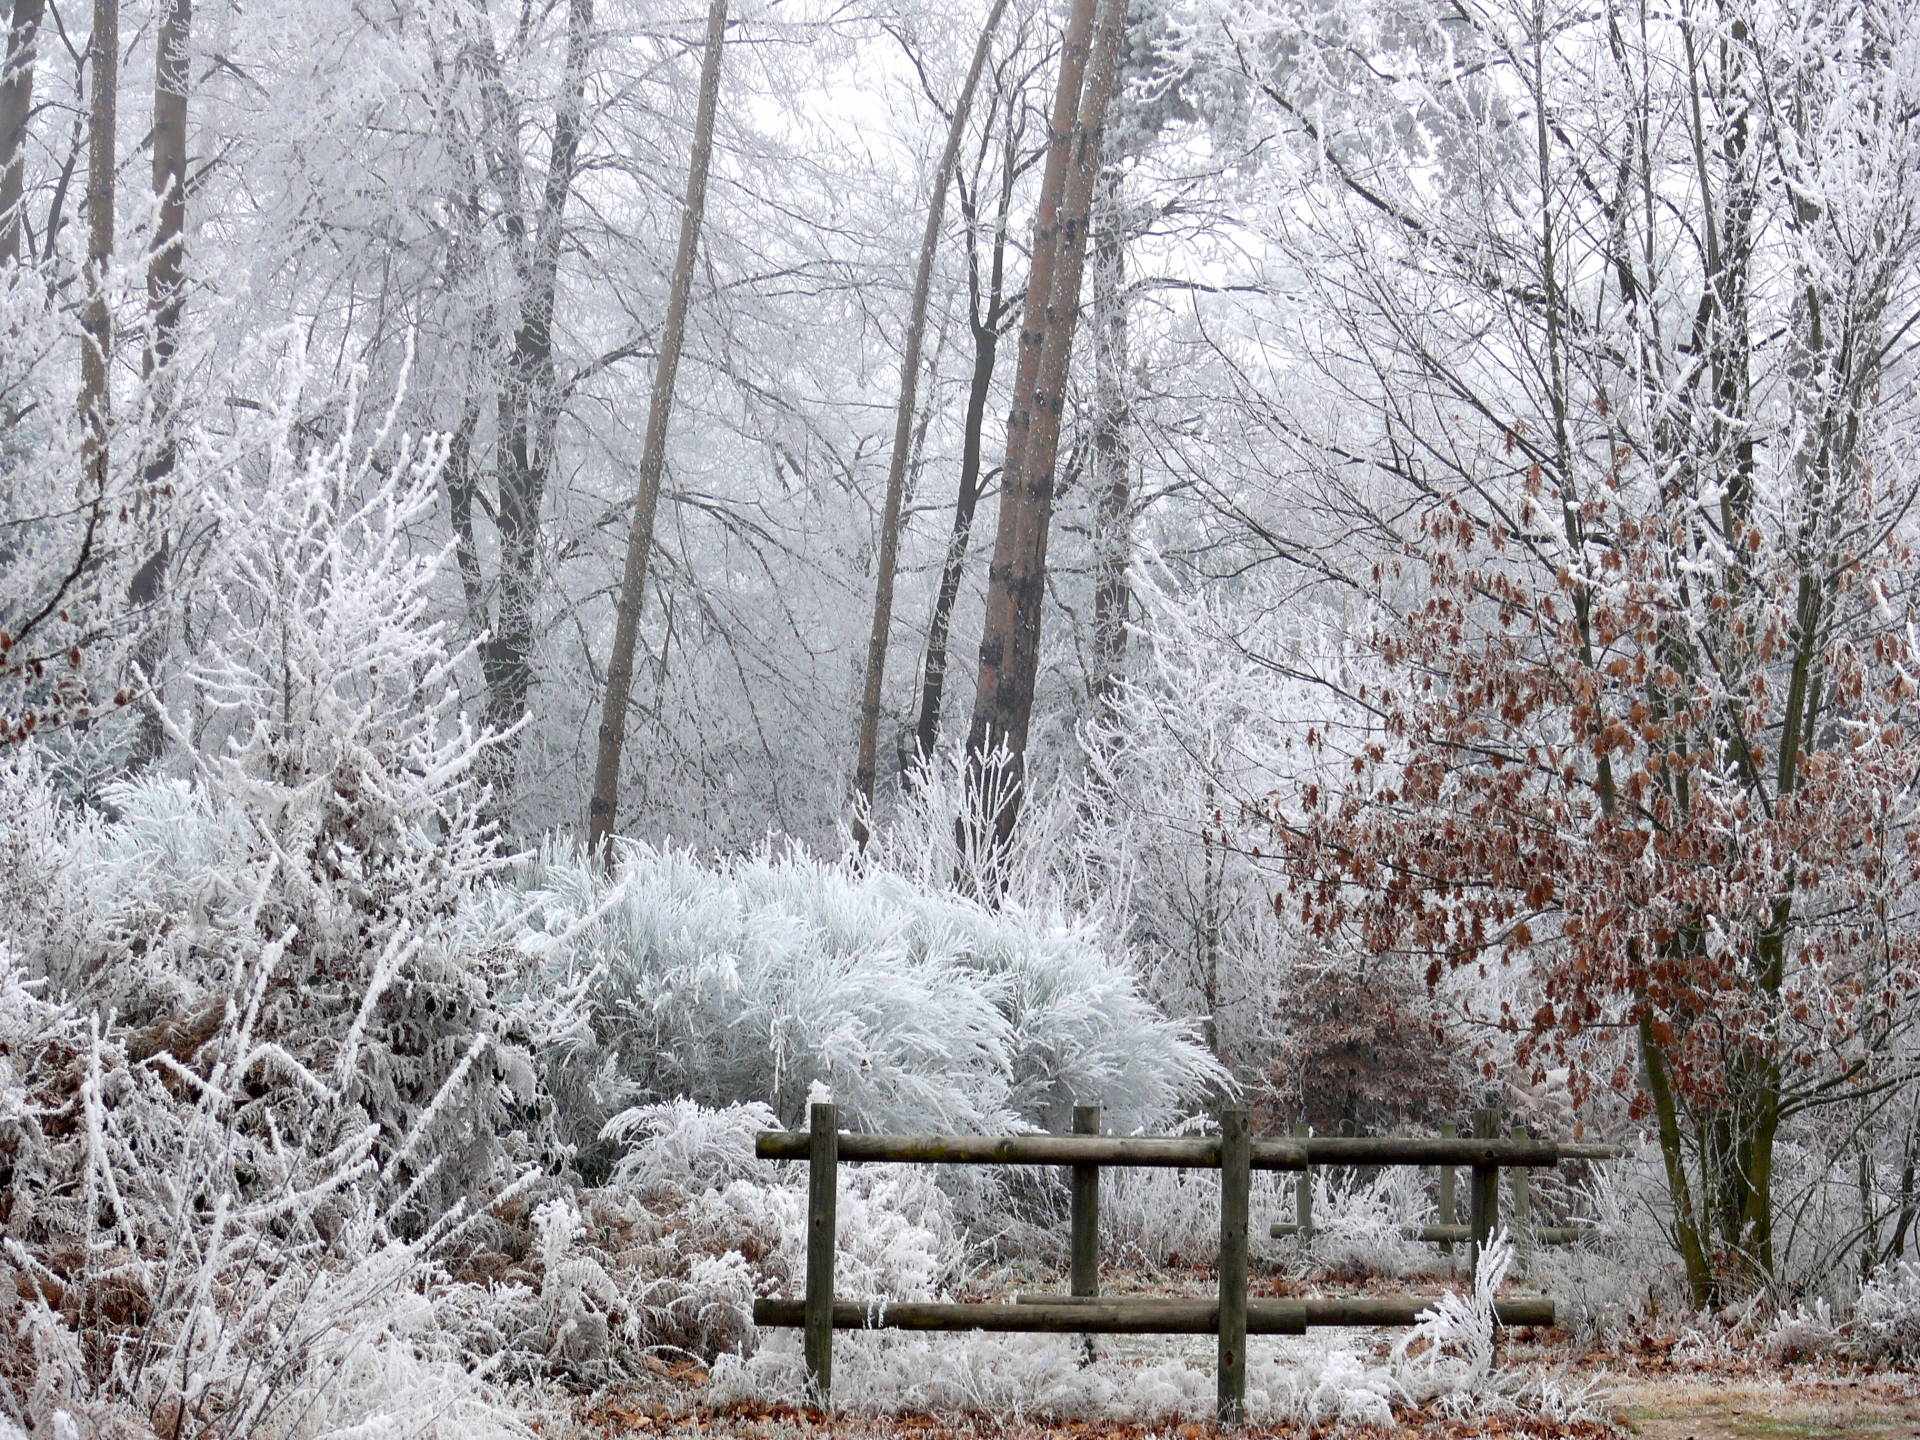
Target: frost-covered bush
<point>753,979</point>
<point>269,1078</point>
<point>1886,1317</point>
<point>1624,1264</point>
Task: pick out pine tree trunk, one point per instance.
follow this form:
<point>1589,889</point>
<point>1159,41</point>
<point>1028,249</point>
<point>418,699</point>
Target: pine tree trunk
<point>603,808</point>
<point>868,744</point>
<point>16,109</point>
<point>96,319</point>
<point>1016,582</point>
<point>527,407</point>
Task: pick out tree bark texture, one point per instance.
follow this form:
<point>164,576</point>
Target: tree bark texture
<point>16,108</point>
<point>868,744</point>
<point>96,319</point>
<point>1016,582</point>
<point>603,808</point>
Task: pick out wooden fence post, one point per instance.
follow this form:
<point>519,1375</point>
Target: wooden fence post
<point>1086,1209</point>
<point>1449,1210</point>
<point>1084,1253</point>
<point>823,1184</point>
<point>1522,1212</point>
<point>1236,1184</point>
<point>1484,1200</point>
<point>1303,1190</point>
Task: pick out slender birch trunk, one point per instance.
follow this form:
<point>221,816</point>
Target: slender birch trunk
<point>1016,583</point>
<point>603,808</point>
<point>864,765</point>
<point>96,319</point>
<point>16,109</point>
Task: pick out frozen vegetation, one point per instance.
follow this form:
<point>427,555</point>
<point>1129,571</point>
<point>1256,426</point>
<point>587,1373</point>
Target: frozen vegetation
<point>579,577</point>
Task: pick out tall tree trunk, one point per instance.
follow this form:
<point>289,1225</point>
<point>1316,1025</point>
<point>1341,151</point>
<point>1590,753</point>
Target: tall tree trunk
<point>528,405</point>
<point>1112,448</point>
<point>984,322</point>
<point>16,109</point>
<point>166,257</point>
<point>864,764</point>
<point>96,319</point>
<point>1016,582</point>
<point>603,808</point>
<point>166,298</point>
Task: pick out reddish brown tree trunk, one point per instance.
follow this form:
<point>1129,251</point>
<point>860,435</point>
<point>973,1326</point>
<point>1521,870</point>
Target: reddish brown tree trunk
<point>1016,583</point>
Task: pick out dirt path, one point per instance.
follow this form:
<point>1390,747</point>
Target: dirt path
<point>1737,1408</point>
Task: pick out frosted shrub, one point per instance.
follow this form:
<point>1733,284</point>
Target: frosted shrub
<point>1625,1261</point>
<point>752,979</point>
<point>1886,1317</point>
<point>295,1078</point>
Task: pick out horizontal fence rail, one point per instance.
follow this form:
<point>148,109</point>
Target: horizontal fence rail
<point>1187,1153</point>
<point>1102,1315</point>
<point>1233,1314</point>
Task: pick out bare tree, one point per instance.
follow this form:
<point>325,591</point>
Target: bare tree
<point>603,808</point>
<point>1016,583</point>
<point>903,432</point>
<point>987,306</point>
<point>529,399</point>
<point>16,108</point>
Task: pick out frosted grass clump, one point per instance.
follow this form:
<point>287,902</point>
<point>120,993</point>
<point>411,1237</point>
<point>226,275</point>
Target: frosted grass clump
<point>1360,1226</point>
<point>689,1146</point>
<point>1447,1357</point>
<point>750,980</point>
<point>1886,1317</point>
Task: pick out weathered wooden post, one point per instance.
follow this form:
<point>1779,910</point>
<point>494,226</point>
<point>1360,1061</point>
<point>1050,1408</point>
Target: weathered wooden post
<point>1303,1190</point>
<point>1086,1209</point>
<point>1449,1210</point>
<point>1484,1199</point>
<point>1522,1212</point>
<point>823,1184</point>
<point>1236,1187</point>
<point>1084,1252</point>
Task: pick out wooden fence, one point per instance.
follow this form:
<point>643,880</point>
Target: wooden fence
<point>1483,1210</point>
<point>1232,1315</point>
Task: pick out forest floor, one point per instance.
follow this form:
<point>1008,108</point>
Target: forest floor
<point>1660,1384</point>
<point>1738,1402</point>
